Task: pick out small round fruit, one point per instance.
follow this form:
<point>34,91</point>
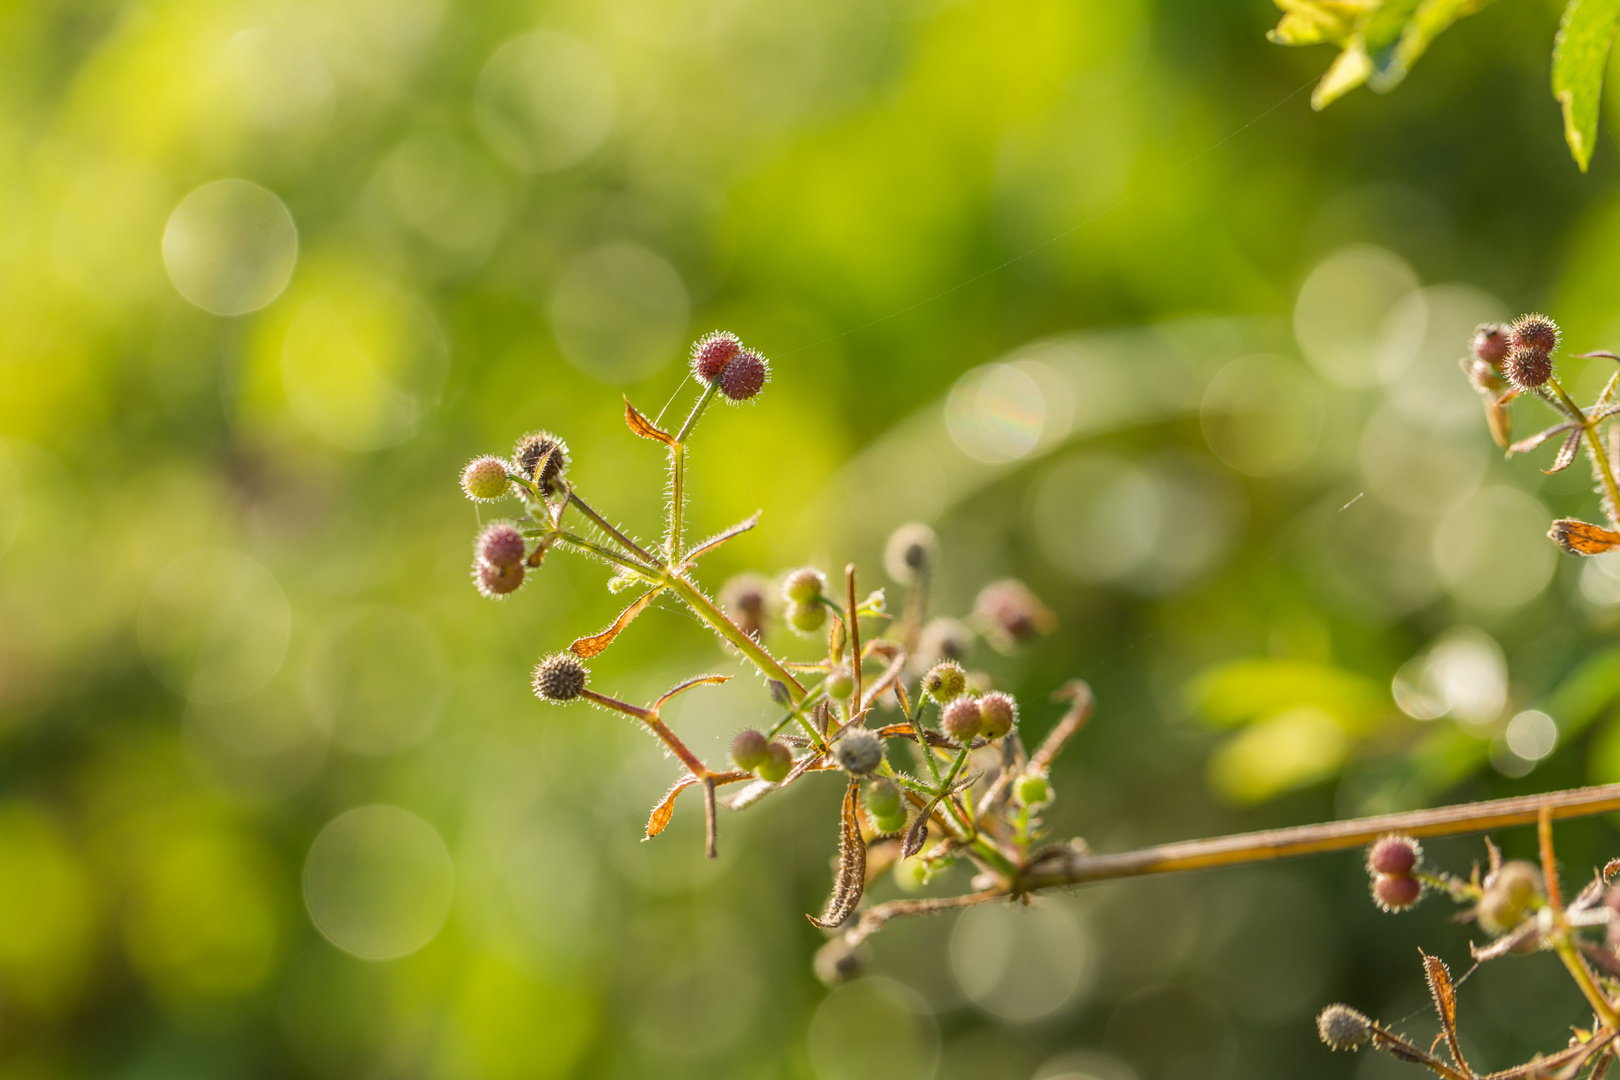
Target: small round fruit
<point>945,681</point>
<point>777,764</point>
<point>960,720</point>
<point>840,682</point>
<point>485,479</point>
<point>1343,1028</point>
<point>1033,790</point>
<point>1491,343</point>
<point>883,796</point>
<point>804,586</point>
<point>806,618</point>
<point>910,553</point>
<point>501,544</point>
<point>541,457</point>
<point>711,353</point>
<point>1512,894</point>
<point>1396,893</point>
<point>998,713</point>
<point>888,824</point>
<point>1395,854</point>
<point>1534,331</point>
<point>858,751</point>
<point>744,375</point>
<point>497,582</point>
<point>749,749</point>
<point>559,677</point>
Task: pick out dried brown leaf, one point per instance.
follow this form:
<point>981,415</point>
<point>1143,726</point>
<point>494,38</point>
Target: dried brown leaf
<point>1445,1002</point>
<point>1581,538</point>
<point>644,427</point>
<point>1566,453</point>
<point>1533,441</point>
<point>587,647</point>
<point>658,821</point>
<point>850,884</point>
<point>1500,421</point>
<point>917,835</point>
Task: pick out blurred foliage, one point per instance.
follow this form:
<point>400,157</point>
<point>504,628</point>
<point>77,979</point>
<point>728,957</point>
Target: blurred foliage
<point>274,797</point>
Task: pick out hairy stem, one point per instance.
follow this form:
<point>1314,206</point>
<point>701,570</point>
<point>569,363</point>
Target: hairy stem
<point>677,477</point>
<point>1594,450</point>
<point>708,611</point>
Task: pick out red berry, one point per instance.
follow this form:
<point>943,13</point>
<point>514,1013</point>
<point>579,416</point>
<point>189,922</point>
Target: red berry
<point>501,545</point>
<point>961,719</point>
<point>1396,892</point>
<point>1394,854</point>
<point>1491,343</point>
<point>1535,332</point>
<point>1528,368</point>
<point>744,375</point>
<point>712,352</point>
<point>496,582</point>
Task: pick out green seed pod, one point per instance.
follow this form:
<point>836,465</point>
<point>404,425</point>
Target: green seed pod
<point>777,764</point>
<point>889,824</point>
<point>804,586</point>
<point>806,618</point>
<point>883,796</point>
<point>840,682</point>
<point>945,681</point>
<point>485,479</point>
<point>1033,789</point>
<point>749,749</point>
<point>998,713</point>
<point>1512,894</point>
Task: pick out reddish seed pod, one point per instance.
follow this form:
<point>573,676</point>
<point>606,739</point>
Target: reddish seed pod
<point>497,582</point>
<point>1395,854</point>
<point>484,479</point>
<point>961,719</point>
<point>1014,614</point>
<point>1393,892</point>
<point>1528,368</point>
<point>743,598</point>
<point>744,375</point>
<point>1534,332</point>
<point>711,353</point>
<point>1491,343</point>
<point>501,544</point>
<point>559,677</point>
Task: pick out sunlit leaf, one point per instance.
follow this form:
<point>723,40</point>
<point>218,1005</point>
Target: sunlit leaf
<point>1247,690</point>
<point>1580,54</point>
<point>1582,538</point>
<point>1281,753</point>
<point>850,883</point>
<point>587,647</point>
<point>644,427</point>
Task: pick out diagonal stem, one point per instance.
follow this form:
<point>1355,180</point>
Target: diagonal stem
<point>1594,449</point>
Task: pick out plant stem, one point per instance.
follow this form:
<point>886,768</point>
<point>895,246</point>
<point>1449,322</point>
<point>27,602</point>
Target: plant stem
<point>1595,450</point>
<point>603,524</point>
<point>1237,850</point>
<point>710,613</point>
<point>677,477</point>
<point>1583,979</point>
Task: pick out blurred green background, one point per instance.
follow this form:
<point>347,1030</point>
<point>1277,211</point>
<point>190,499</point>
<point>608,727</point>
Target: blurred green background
<point>1083,283</point>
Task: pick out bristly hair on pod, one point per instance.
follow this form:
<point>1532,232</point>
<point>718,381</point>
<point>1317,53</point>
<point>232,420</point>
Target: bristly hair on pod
<point>858,751</point>
<point>1491,343</point>
<point>712,352</point>
<point>1528,368</point>
<point>500,544</point>
<point>541,457</point>
<point>559,677</point>
<point>1343,1028</point>
<point>485,479</point>
<point>1534,331</point>
<point>744,375</point>
<point>497,582</point>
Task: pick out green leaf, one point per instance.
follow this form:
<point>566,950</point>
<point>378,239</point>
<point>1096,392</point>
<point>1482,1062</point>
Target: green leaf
<point>1429,21</point>
<point>1580,53</point>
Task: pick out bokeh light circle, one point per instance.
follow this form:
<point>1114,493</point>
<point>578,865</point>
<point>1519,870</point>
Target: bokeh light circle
<point>230,247</point>
<point>996,413</point>
<point>1349,320</point>
<point>873,1027</point>
<point>619,313</point>
<point>1531,735</point>
<point>378,882</point>
<point>377,680</point>
<point>1491,551</point>
<point>214,625</point>
<point>544,101</point>
<point>1022,963</point>
<point>1262,415</point>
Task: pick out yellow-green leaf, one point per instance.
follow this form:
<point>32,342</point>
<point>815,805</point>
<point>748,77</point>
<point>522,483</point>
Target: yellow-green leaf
<point>1580,53</point>
<point>1348,71</point>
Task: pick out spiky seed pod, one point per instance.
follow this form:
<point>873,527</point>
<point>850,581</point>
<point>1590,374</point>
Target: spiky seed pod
<point>777,764</point>
<point>1534,331</point>
<point>542,457</point>
<point>744,375</point>
<point>1491,343</point>
<point>961,719</point>
<point>500,544</point>
<point>559,677</point>
<point>1033,789</point>
<point>711,353</point>
<point>840,682</point>
<point>883,797</point>
<point>744,599</point>
<point>888,824</point>
<point>858,751</point>
<point>749,749</point>
<point>1528,368</point>
<point>497,582</point>
<point>1395,854</point>
<point>910,553</point>
<point>806,618</point>
<point>1512,894</point>
<point>485,479</point>
<point>1343,1028</point>
<point>998,713</point>
<point>1014,614</point>
<point>1392,892</point>
<point>943,639</point>
<point>804,585</point>
<point>945,681</point>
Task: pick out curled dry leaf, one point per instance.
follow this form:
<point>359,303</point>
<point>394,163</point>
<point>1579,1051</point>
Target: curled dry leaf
<point>1582,538</point>
<point>587,647</point>
<point>644,427</point>
<point>850,884</point>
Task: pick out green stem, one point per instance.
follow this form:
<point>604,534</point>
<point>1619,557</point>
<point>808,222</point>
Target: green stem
<point>708,611</point>
<point>1583,979</point>
<point>607,527</point>
<point>647,573</point>
<point>1595,449</point>
<point>677,477</point>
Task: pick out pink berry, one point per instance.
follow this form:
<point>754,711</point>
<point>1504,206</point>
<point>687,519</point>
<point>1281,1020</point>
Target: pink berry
<point>1394,854</point>
<point>712,352</point>
<point>961,719</point>
<point>496,582</point>
<point>744,375</point>
<point>1396,892</point>
<point>501,545</point>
